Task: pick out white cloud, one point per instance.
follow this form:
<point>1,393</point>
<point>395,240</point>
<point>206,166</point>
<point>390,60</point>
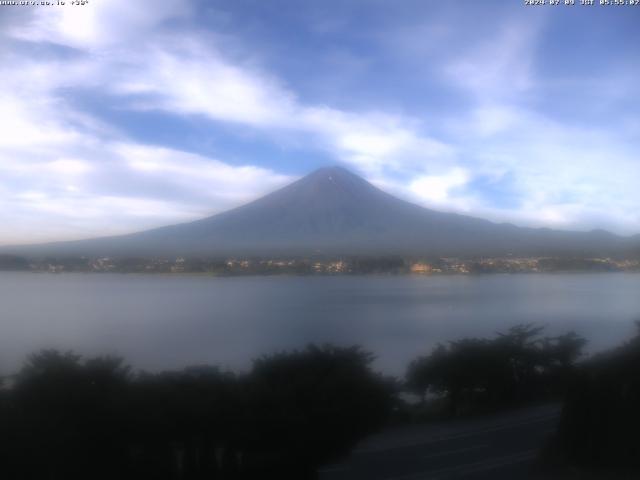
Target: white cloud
<point>490,120</point>
<point>186,74</point>
<point>437,189</point>
<point>24,123</point>
<point>65,175</point>
<point>184,77</point>
<point>559,174</point>
<point>375,142</point>
<point>103,196</point>
<point>101,23</point>
<point>221,184</point>
<point>501,67</point>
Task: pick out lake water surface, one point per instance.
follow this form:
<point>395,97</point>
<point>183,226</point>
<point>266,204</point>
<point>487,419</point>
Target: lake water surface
<point>159,322</point>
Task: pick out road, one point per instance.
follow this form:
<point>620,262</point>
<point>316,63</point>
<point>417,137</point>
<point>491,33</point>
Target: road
<point>497,447</point>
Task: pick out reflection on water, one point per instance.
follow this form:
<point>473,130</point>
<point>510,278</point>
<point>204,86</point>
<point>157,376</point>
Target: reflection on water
<point>160,322</point>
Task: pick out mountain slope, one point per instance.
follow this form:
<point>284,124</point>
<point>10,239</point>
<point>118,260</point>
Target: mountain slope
<point>334,211</point>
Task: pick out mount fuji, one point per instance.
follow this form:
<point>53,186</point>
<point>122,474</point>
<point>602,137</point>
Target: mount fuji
<point>333,211</point>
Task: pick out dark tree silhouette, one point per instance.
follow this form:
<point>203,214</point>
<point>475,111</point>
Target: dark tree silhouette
<point>184,423</point>
<point>65,418</point>
<point>514,367</point>
<point>68,416</point>
<point>313,405</point>
<point>600,420</point>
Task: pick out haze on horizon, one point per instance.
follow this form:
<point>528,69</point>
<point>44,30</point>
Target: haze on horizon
<point>119,116</point>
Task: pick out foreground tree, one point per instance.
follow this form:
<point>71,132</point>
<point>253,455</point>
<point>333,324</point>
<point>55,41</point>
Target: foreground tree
<point>601,419</point>
<point>311,406</point>
<point>65,418</point>
<point>514,367</point>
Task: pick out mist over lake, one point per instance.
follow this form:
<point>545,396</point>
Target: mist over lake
<point>162,322</point>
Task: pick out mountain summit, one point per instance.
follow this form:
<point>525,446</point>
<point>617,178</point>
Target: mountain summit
<point>334,211</point>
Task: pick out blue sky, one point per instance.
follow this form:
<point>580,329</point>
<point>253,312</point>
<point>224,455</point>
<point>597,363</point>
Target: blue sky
<point>118,116</point>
